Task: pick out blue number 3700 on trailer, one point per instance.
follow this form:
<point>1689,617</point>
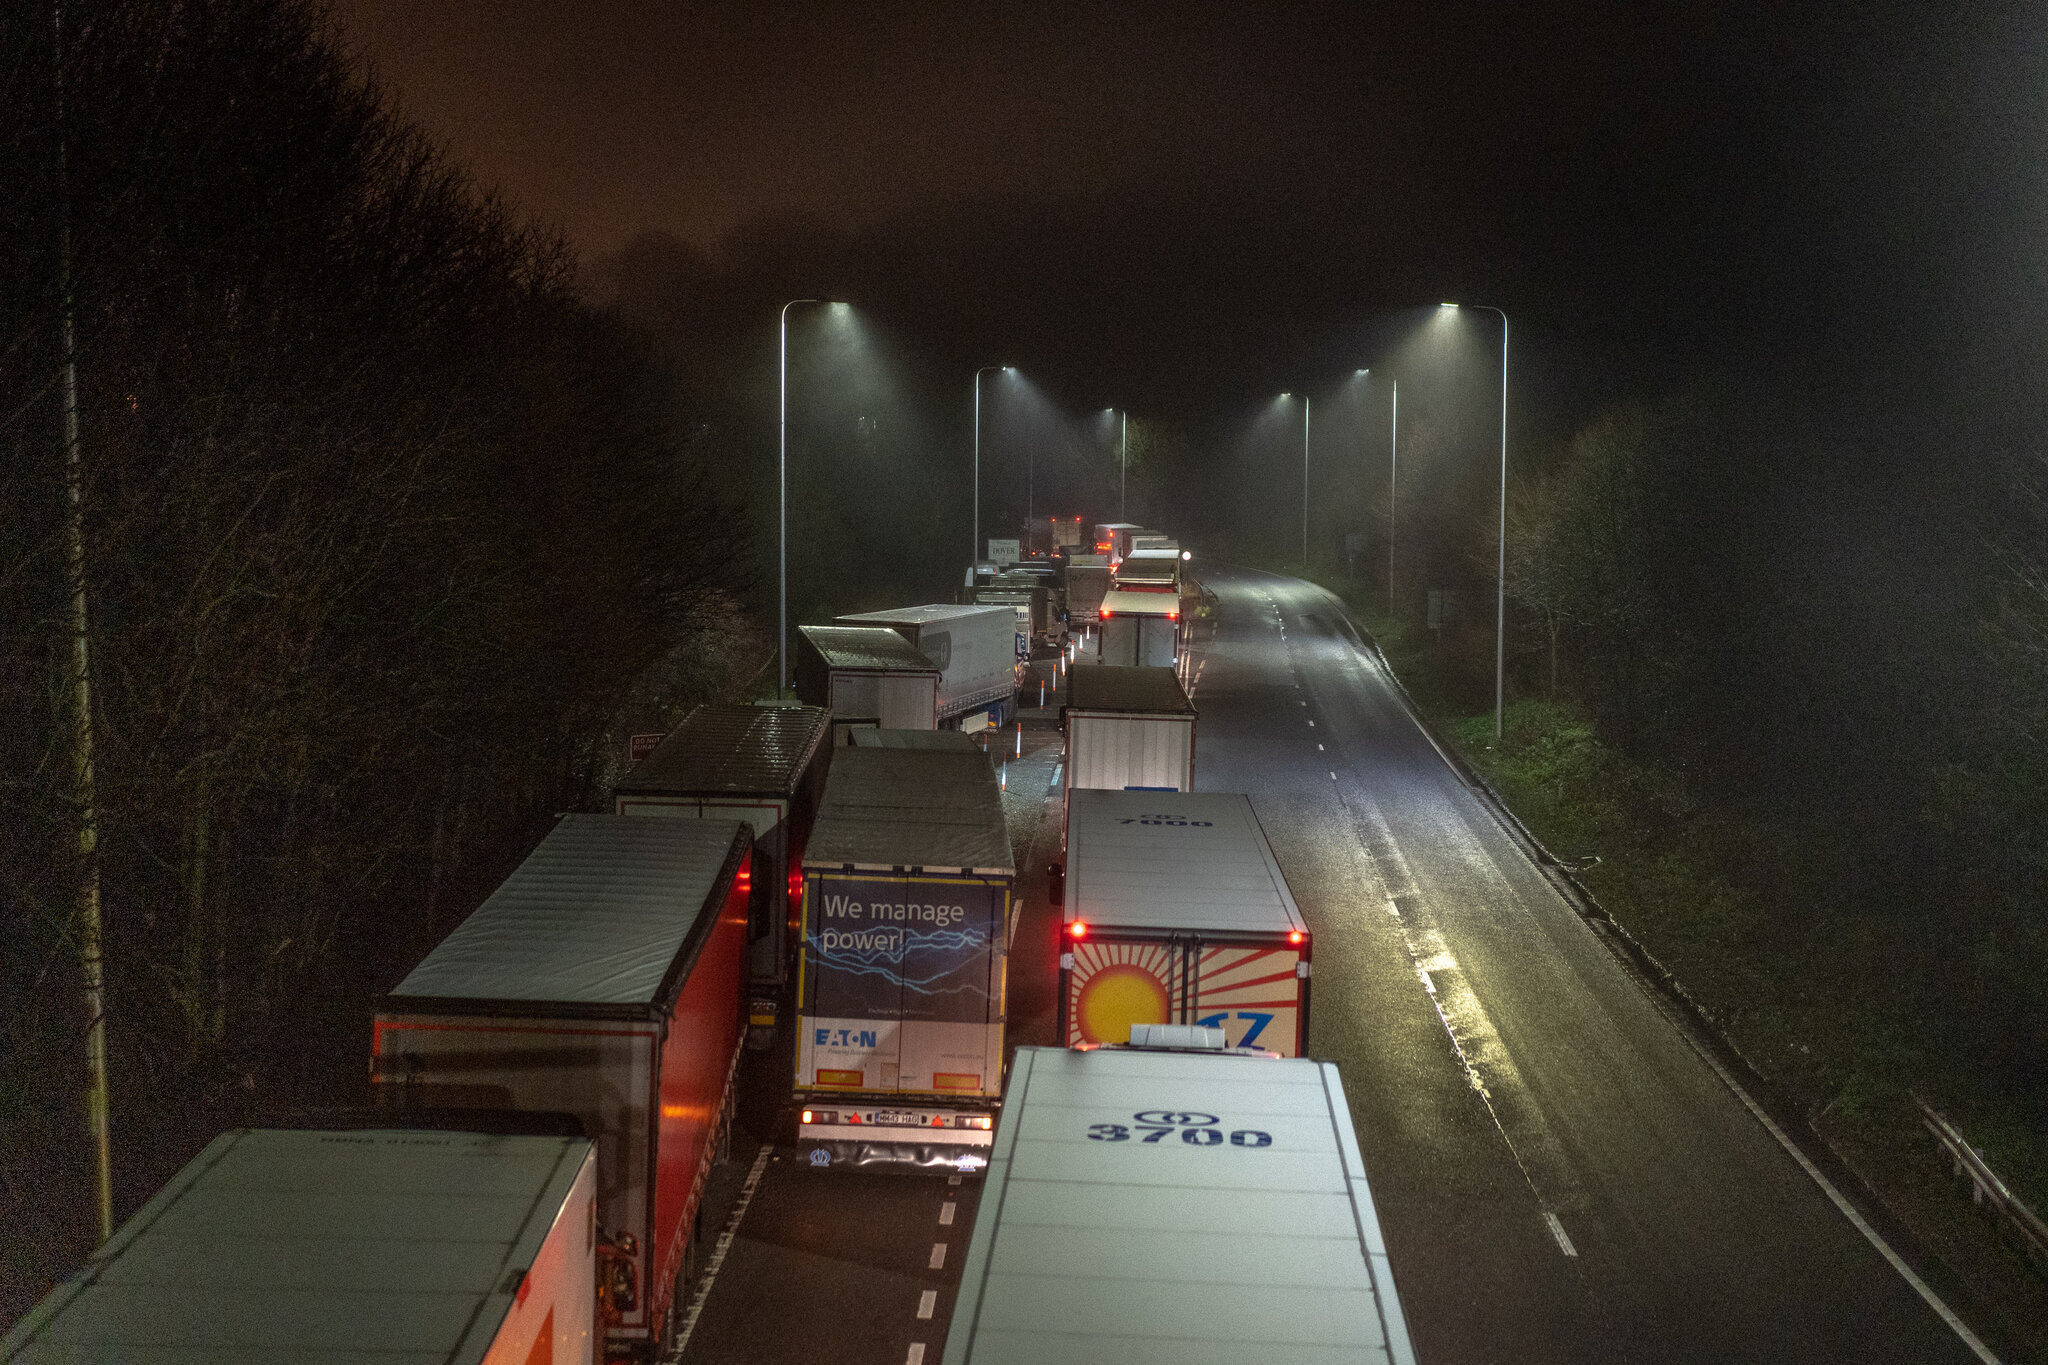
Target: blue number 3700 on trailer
<point>1147,1207</point>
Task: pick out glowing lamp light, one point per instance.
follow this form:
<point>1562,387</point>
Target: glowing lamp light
<point>807,1116</point>
<point>1173,616</point>
<point>1078,930</point>
<point>1296,936</point>
<point>1107,613</point>
<point>1187,554</point>
<point>1452,306</point>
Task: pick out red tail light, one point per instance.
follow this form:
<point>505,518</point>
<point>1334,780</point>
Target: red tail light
<point>1107,613</point>
<point>796,883</point>
<point>1078,930</point>
<point>1296,936</point>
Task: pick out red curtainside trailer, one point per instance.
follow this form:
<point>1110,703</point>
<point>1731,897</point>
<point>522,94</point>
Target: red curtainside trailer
<point>603,980</point>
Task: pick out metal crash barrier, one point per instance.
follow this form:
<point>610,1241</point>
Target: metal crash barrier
<point>1986,1187</point>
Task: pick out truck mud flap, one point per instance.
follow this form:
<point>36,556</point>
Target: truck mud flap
<point>908,1157</point>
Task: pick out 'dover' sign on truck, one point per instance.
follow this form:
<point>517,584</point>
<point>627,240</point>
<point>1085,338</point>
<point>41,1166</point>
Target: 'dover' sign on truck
<point>1177,913</point>
<point>901,985</point>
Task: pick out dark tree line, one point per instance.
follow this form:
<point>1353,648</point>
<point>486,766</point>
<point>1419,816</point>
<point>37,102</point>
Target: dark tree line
<point>386,537</point>
<point>1839,633</point>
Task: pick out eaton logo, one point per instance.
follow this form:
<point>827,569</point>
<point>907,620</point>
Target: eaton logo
<point>846,1037</point>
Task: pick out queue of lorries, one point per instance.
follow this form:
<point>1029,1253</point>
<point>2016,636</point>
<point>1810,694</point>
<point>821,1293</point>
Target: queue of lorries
<point>553,1082</point>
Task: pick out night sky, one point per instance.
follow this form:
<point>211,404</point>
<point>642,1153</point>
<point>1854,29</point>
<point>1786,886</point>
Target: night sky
<point>1653,190</point>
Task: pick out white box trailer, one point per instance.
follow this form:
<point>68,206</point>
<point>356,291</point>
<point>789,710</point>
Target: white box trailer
<point>973,646</point>
<point>761,764</point>
<point>1176,912</point>
<point>1159,568</point>
<point>1113,538</point>
<point>1087,583</point>
<point>902,981</point>
<point>866,675</point>
<point>1020,600</point>
<point>373,1245</point>
<point>1176,1206</point>
<point>1139,628</point>
<point>602,980</point>
<point>1127,729</point>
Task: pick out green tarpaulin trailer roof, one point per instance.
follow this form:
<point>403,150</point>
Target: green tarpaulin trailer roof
<point>754,750</point>
<point>382,1245</point>
<point>1149,691</point>
<point>873,737</point>
<point>932,808</point>
<point>603,914</point>
<point>866,647</point>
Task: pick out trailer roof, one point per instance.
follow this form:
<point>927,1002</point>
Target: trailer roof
<point>1126,602</point>
<point>931,614</point>
<point>392,1246</point>
<point>874,737</point>
<point>1265,1247</point>
<point>755,750</point>
<point>875,649</point>
<point>930,808</point>
<point>1173,860</point>
<point>608,911</point>
<point>1151,691</point>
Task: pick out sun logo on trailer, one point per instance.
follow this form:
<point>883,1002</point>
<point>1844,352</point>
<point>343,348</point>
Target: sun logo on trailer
<point>1121,984</point>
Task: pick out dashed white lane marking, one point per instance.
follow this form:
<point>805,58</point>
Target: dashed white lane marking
<point>938,1261</point>
<point>1333,777</point>
<point>1311,724</point>
<point>1319,748</point>
<point>915,1355</point>
<point>946,1212</point>
<point>1564,1243</point>
<point>928,1303</point>
<point>717,1257</point>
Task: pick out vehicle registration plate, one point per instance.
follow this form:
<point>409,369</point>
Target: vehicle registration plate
<point>895,1116</point>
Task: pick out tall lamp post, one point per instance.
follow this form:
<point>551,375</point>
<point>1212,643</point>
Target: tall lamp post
<point>1500,577</point>
<point>1123,478</point>
<point>974,551</point>
<point>1393,467</point>
<point>782,513</point>
<point>1288,398</point>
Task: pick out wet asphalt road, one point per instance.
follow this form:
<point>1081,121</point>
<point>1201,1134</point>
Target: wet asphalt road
<point>1561,1176</point>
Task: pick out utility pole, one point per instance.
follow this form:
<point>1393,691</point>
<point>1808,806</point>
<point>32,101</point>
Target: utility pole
<point>1123,478</point>
<point>86,923</point>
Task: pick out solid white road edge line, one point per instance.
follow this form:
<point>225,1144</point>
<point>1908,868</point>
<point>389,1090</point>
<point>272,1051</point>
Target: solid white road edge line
<point>1848,1210</point>
<point>717,1257</point>
<point>1564,1243</point>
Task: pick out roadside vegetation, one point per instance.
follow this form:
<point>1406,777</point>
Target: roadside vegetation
<point>387,545</point>
<point>1847,883</point>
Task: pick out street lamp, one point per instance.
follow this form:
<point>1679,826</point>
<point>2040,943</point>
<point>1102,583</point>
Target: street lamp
<point>974,551</point>
<point>782,510</point>
<point>1393,467</point>
<point>1123,442</point>
<point>1500,577</point>
<point>1304,477</point>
